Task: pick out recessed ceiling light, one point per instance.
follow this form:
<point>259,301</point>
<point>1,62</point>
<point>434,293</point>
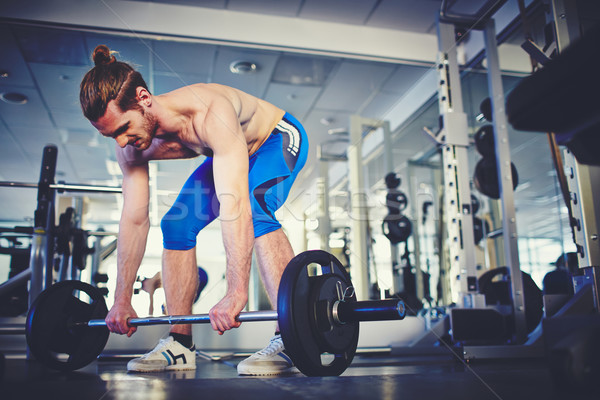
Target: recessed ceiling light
<point>242,67</point>
<point>338,131</point>
<point>14,98</point>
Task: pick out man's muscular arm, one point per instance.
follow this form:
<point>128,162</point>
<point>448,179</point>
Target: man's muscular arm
<point>131,244</point>
<point>222,132</point>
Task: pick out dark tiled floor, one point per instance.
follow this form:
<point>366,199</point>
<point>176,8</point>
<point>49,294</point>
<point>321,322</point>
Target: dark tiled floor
<point>369,377</point>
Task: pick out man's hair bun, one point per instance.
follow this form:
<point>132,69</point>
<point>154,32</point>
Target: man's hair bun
<point>103,56</point>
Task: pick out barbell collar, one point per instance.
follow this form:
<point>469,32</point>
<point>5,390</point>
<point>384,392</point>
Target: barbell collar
<point>187,319</point>
<point>371,310</point>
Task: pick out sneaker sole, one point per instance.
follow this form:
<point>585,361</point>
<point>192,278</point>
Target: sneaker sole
<point>289,371</point>
<point>169,368</point>
<point>180,368</point>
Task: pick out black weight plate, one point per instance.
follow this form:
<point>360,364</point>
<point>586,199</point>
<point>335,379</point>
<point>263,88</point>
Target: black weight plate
<point>485,177</point>
<point>486,109</point>
<point>317,350</point>
<point>392,181</point>
<point>484,141</point>
<point>495,285</point>
<point>396,228</point>
<point>50,336</point>
<point>396,201</point>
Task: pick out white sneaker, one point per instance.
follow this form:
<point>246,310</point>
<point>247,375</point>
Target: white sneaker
<point>167,355</point>
<point>271,360</point>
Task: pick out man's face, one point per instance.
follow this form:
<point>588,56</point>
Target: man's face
<point>127,128</point>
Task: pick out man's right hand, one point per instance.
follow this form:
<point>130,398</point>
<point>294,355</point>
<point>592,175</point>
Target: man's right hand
<point>117,317</point>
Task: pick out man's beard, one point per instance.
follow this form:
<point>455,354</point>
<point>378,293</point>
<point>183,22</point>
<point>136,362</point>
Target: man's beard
<point>150,125</point>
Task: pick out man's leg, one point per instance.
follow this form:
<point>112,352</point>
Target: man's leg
<point>194,208</point>
<point>180,282</point>
<point>277,163</point>
<point>279,160</point>
<point>273,253</point>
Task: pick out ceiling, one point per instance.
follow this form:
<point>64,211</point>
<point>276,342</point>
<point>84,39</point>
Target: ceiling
<point>321,60</point>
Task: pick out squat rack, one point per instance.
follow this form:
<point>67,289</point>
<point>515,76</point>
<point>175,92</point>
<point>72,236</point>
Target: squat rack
<point>454,141</point>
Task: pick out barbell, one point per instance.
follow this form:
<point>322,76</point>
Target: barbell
<point>65,187</point>
<point>318,314</point>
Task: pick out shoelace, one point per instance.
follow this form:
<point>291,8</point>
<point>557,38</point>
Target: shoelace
<point>273,347</point>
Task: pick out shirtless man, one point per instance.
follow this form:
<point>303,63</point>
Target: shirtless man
<point>253,150</point>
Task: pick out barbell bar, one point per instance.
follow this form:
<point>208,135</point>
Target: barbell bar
<point>185,319</point>
<point>65,187</point>
<point>317,314</point>
<point>342,312</point>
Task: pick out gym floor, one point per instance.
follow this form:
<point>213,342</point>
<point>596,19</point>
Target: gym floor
<point>369,377</point>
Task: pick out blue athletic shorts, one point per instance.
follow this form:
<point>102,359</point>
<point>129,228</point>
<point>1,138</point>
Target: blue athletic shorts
<point>273,169</point>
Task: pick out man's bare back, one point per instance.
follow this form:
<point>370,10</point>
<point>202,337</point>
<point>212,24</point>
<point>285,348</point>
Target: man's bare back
<point>256,117</point>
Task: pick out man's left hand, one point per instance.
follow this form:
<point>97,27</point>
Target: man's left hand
<point>223,316</point>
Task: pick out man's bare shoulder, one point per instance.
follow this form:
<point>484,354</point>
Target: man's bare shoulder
<point>200,97</point>
<point>203,89</point>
